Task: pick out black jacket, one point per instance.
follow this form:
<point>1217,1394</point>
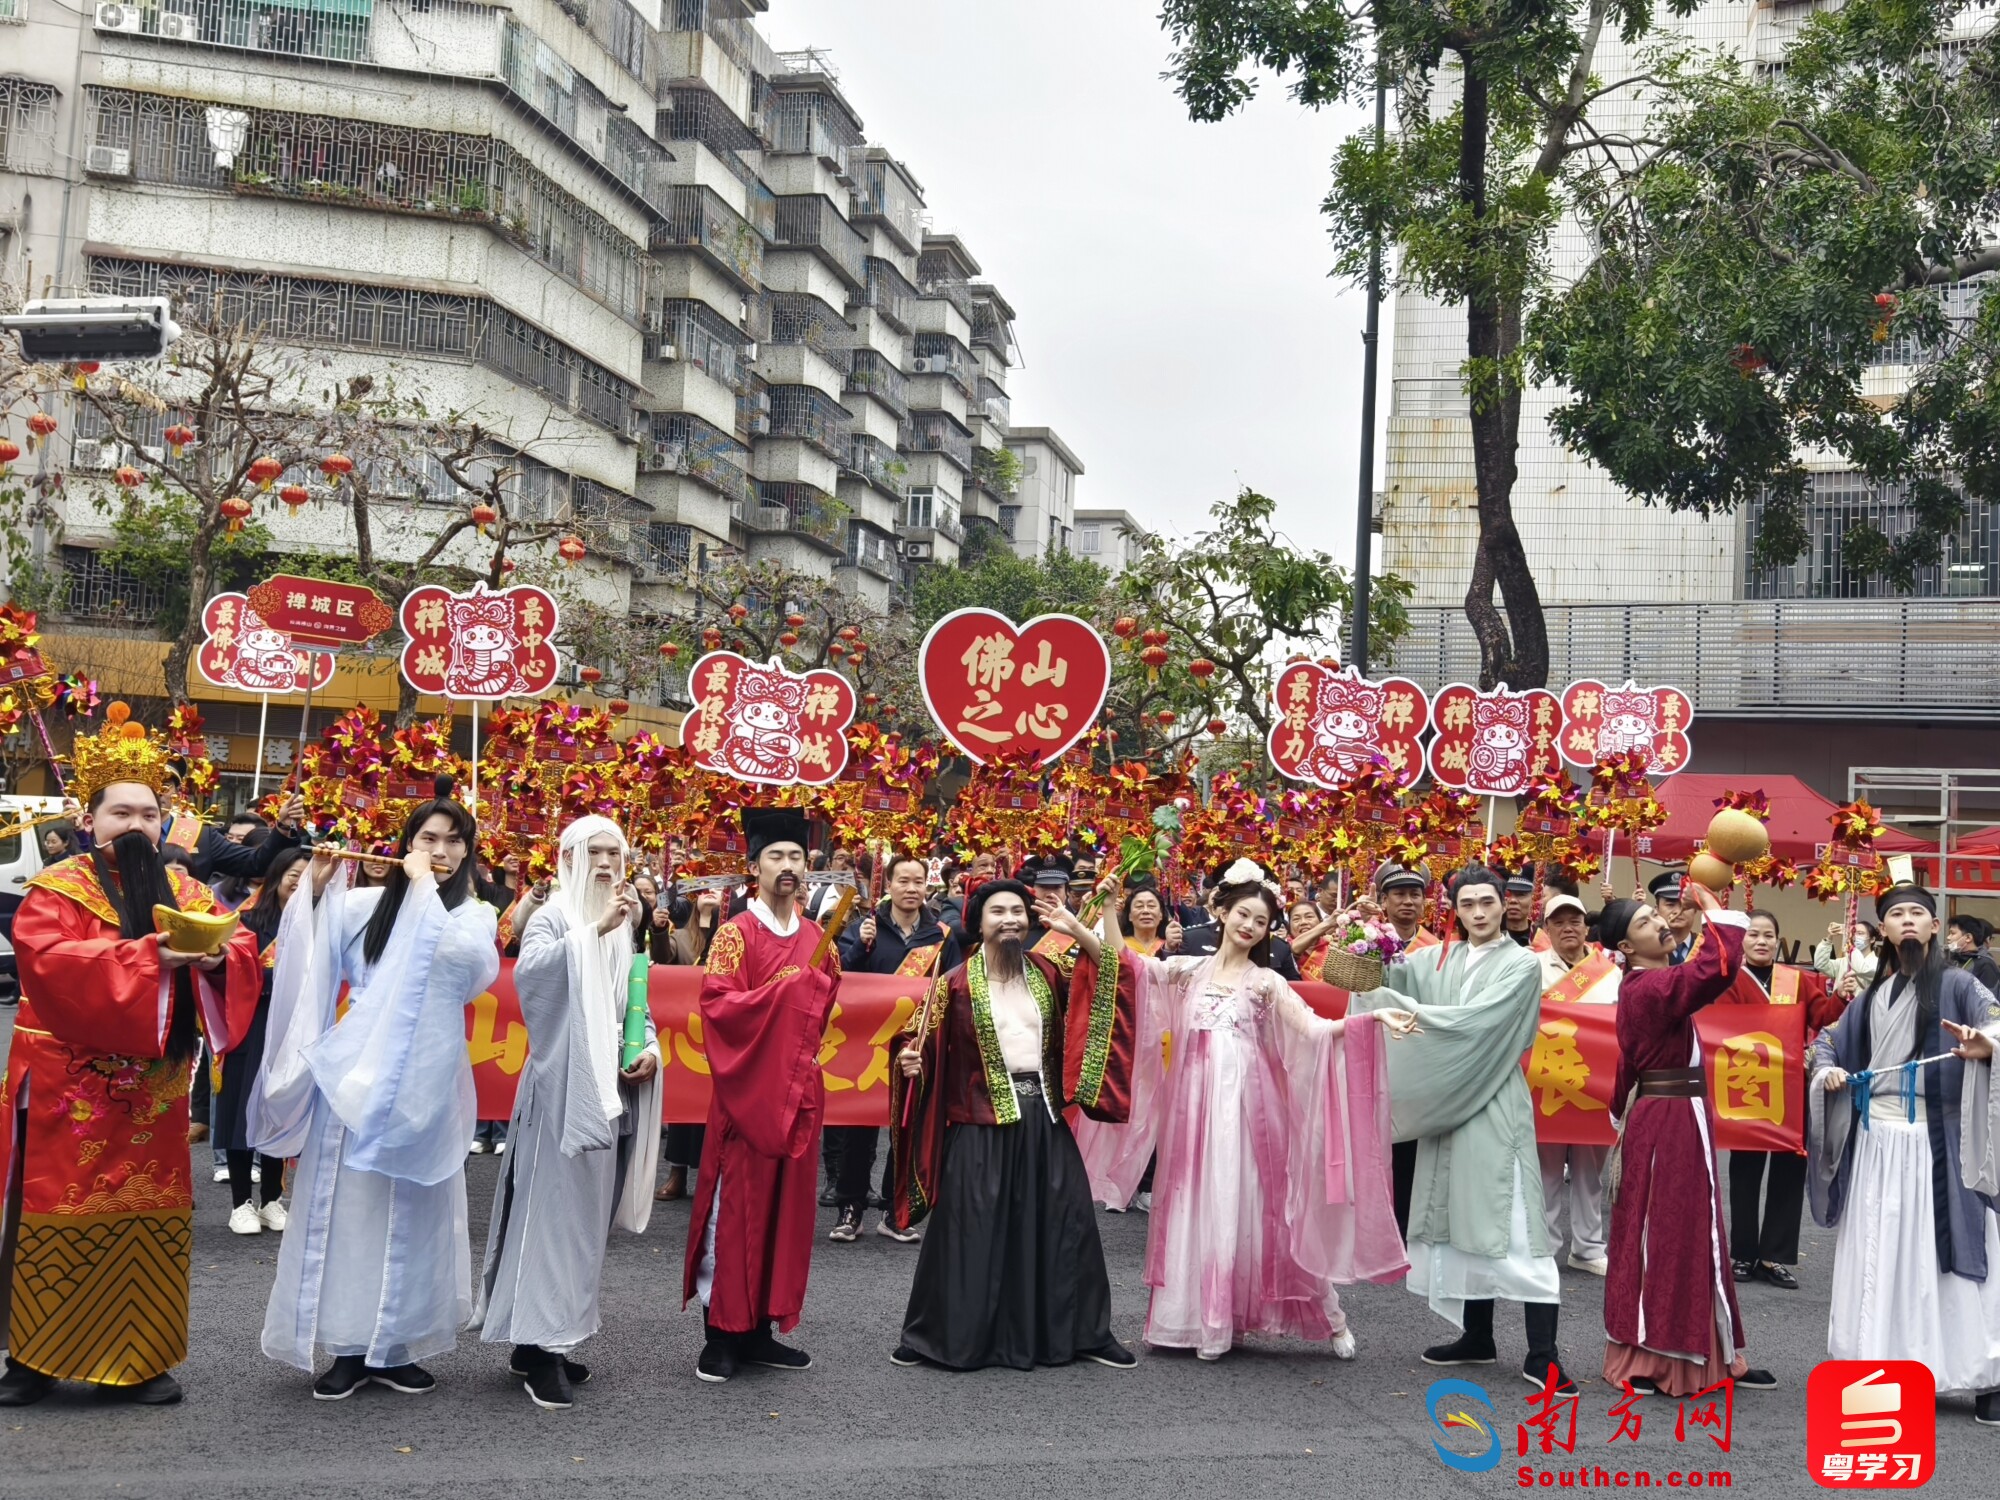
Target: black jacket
<point>215,856</point>
<point>1202,940</point>
<point>886,954</point>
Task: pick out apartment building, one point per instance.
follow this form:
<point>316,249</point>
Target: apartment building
<point>660,263</point>
<point>1113,539</point>
<point>1040,517</point>
<point>1632,591</point>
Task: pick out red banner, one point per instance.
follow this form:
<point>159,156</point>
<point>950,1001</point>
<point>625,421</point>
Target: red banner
<point>1754,1056</point>
<point>320,611</point>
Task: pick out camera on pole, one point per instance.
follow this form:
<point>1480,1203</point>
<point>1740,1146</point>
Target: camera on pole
<point>63,330</point>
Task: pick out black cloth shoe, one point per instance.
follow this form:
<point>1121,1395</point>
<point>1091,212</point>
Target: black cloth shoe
<point>848,1230</point>
<point>1536,1372</point>
<point>1468,1349</point>
<point>1986,1409</point>
<point>547,1384</point>
<point>718,1360</point>
<point>1756,1380</point>
<point>760,1348</point>
<point>1744,1270</point>
<point>1111,1353</point>
<point>348,1375</point>
<point>411,1380</point>
<point>828,1198</point>
<point>578,1374</point>
<point>161,1390</point>
<point>527,1357</point>
<point>1644,1385</point>
<point>905,1356</point>
<point>1777,1276</point>
<point>21,1386</point>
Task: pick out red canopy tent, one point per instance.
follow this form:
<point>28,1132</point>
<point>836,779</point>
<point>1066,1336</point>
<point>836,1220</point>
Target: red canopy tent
<point>1974,865</point>
<point>1801,819</point>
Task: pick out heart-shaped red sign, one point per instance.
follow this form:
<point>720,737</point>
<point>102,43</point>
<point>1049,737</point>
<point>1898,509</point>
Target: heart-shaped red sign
<point>996,688</point>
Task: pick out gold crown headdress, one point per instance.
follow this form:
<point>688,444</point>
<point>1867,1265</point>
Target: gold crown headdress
<point>123,750</point>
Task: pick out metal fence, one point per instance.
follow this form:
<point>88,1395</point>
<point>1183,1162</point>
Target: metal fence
<point>800,411</point>
<point>692,113</point>
<point>27,126</point>
<point>800,318</point>
<point>556,91</point>
<point>938,276</point>
<point>1815,658</point>
<point>876,462</point>
<point>941,354</point>
<point>809,221</point>
<point>695,333</point>
<point>686,445</point>
<point>937,432</point>
<point>810,122</point>
<point>797,508</point>
<point>874,375</point>
<point>881,193</point>
<point>699,218</point>
<point>889,292</point>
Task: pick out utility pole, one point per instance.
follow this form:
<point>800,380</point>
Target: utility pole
<point>1364,506</point>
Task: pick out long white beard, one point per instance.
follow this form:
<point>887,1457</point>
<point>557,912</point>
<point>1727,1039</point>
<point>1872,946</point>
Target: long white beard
<point>595,899</point>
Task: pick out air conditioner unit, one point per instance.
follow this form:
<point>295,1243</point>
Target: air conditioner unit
<point>750,350</point>
<point>664,458</point>
<point>109,161</point>
<point>917,551</point>
<point>115,17</point>
<point>176,27</point>
<point>761,426</point>
<point>923,364</point>
<point>667,352</point>
<point>93,453</point>
<point>763,401</point>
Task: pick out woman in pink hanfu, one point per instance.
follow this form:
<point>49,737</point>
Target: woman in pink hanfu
<point>1271,1126</point>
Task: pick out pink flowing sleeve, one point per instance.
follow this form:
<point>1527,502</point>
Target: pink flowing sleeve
<point>1115,1156</point>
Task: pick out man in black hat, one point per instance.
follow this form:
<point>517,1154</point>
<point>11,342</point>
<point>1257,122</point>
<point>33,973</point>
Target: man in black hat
<point>1904,1160</point>
<point>1399,891</point>
<point>1683,918</point>
<point>1517,905</point>
<point>764,1003</point>
<point>1051,880</point>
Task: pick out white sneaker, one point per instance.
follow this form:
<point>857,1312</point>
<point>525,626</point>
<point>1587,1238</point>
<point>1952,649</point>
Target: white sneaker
<point>1595,1265</point>
<point>1342,1345</point>
<point>274,1216</point>
<point>479,1148</point>
<point>256,1173</point>
<point>243,1219</point>
<point>222,1174</point>
<point>1144,1202</point>
<point>499,1148</point>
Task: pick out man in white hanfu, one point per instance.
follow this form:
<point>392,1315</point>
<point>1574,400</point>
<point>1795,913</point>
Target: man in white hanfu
<point>584,1141</point>
<point>1905,1161</point>
<point>1477,1230</point>
<point>377,1104</point>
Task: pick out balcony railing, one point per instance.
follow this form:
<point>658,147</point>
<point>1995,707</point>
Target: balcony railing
<point>811,222</point>
<point>881,194</point>
<point>690,112</point>
<point>870,553</point>
<point>992,404</point>
<point>682,329</point>
<point>1820,658</point>
<point>698,450</point>
<point>991,329</point>
<point>810,123</point>
<point>799,509</point>
<point>941,354</point>
<point>799,411</point>
<point>880,465</point>
<point>926,510</point>
<point>950,288</point>
<point>875,376</point>
<point>554,90</point>
<point>889,293</point>
<point>799,318</point>
<point>698,218</point>
<point>936,432</point>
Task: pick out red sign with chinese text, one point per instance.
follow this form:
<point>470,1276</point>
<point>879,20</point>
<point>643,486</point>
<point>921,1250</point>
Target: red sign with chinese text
<point>1332,725</point>
<point>480,645</point>
<point>1493,744</point>
<point>997,688</point>
<point>1600,722</point>
<point>241,651</point>
<point>321,612</point>
<point>21,666</point>
<point>768,724</point>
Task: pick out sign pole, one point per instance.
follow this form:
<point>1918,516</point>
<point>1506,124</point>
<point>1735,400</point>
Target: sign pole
<point>263,712</point>
<point>475,758</point>
<point>305,724</point>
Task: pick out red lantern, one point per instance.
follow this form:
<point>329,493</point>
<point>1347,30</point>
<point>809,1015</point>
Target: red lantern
<point>128,477</point>
<point>334,465</point>
<point>1201,669</point>
<point>40,425</point>
<point>871,699</point>
<point>590,675</point>
<point>1218,727</point>
<point>619,706</point>
<point>295,495</point>
<point>483,516</point>
<point>265,470</point>
<point>860,650</point>
<point>178,437</point>
<point>235,510</point>
<point>788,640</point>
<point>669,650</point>
<point>9,451</point>
<point>711,638</point>
<point>795,620</point>
<point>572,550</point>
<point>1110,736</point>
<point>1154,657</point>
<point>737,612</point>
<point>507,565</point>
<point>1156,638</point>
<point>848,632</point>
<point>1123,626</point>
<point>1166,716</point>
<point>890,710</point>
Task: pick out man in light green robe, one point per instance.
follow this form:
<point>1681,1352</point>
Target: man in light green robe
<point>1476,1226</point>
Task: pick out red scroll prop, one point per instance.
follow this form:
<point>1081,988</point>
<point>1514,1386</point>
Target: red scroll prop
<point>768,724</point>
<point>480,645</point>
<point>1494,744</point>
<point>998,689</point>
<point>1601,722</point>
<point>1333,725</point>
<point>319,612</point>
<point>242,651</point>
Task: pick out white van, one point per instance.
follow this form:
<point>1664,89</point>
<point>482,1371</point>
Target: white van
<point>20,862</point>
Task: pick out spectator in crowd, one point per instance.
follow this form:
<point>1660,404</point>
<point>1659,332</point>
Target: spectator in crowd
<point>1846,956</point>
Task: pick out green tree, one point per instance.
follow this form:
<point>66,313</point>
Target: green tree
<point>1467,193</point>
<point>1781,233</point>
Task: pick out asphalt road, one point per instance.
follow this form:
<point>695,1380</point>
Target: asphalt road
<point>1276,1419</point>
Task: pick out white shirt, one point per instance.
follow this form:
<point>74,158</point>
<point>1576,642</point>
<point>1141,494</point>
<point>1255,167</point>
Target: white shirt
<point>1476,951</point>
<point>764,914</point>
<point>1017,1024</point>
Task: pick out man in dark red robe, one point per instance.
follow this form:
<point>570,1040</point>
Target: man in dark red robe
<point>1670,1317</point>
<point>764,1003</point>
<point>1012,1272</point>
<point>1767,1245</point>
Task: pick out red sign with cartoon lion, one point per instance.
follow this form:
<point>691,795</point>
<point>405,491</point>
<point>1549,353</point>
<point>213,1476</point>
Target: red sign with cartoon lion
<point>243,652</point>
<point>480,645</point>
<point>1332,725</point>
<point>996,688</point>
<point>1600,721</point>
<point>1493,743</point>
<point>768,724</point>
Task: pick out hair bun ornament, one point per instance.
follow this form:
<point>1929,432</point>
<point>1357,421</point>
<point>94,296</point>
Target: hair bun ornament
<point>1244,872</point>
<point>442,787</point>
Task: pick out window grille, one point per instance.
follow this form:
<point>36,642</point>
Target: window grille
<point>27,125</point>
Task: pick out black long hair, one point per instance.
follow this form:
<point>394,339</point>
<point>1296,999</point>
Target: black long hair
<point>1224,901</point>
<point>1927,983</point>
<point>133,877</point>
<point>452,891</point>
<point>262,918</point>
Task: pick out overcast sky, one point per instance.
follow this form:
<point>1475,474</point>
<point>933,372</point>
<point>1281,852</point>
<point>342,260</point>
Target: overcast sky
<point>1177,324</point>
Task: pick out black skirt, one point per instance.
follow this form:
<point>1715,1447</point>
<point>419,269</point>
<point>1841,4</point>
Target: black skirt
<point>228,1126</point>
<point>1011,1272</point>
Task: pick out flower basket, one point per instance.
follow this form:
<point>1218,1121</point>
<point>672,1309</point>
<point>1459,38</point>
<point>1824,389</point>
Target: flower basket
<point>1351,972</point>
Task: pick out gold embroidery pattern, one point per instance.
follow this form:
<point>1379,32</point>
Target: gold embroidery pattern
<point>104,1300</point>
<point>725,953</point>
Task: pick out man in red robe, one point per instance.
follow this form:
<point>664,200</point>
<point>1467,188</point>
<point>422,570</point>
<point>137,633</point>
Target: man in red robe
<point>1766,1247</point>
<point>764,1003</point>
<point>1670,1317</point>
<point>97,1214</point>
